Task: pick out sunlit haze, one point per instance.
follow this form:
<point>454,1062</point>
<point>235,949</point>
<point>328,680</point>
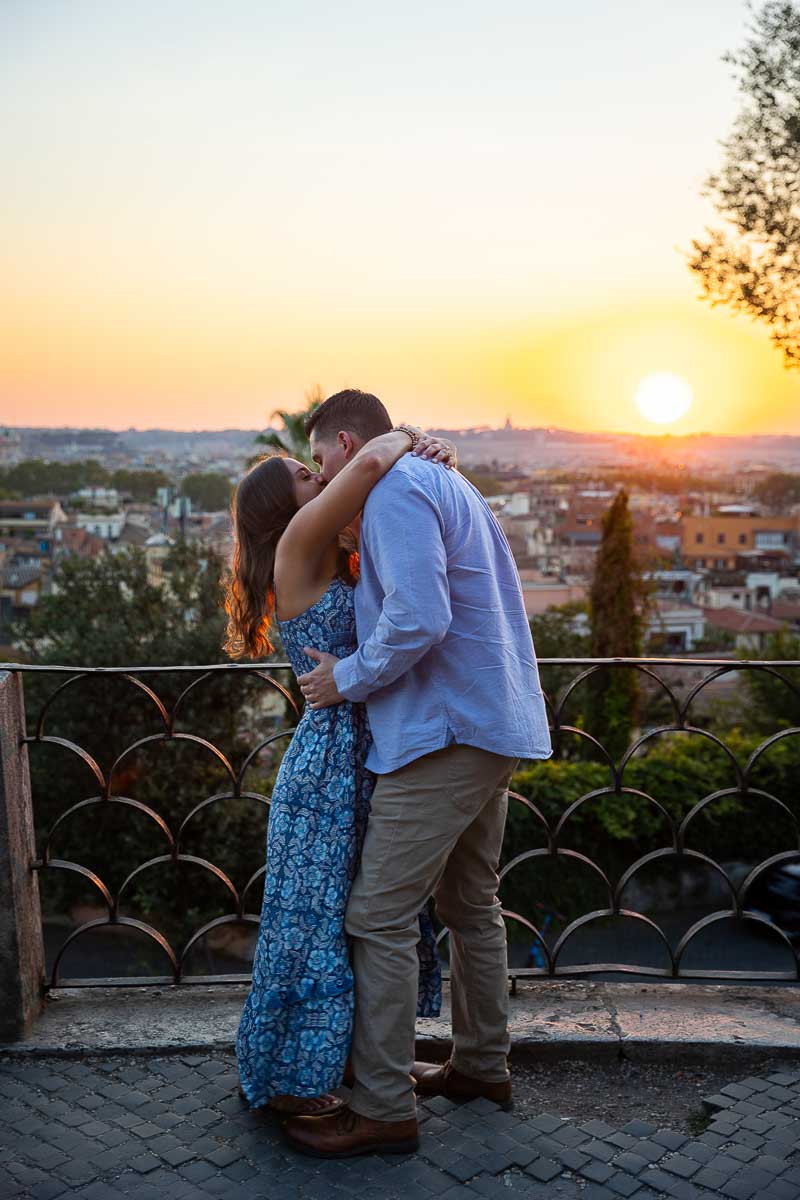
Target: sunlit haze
<point>477,212</point>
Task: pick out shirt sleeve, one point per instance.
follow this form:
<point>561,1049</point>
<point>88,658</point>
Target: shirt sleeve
<point>402,530</point>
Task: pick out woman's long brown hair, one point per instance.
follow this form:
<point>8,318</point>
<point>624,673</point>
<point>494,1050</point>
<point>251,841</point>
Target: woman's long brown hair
<point>262,506</point>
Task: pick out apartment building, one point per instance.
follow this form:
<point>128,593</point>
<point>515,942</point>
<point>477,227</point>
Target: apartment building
<point>714,542</point>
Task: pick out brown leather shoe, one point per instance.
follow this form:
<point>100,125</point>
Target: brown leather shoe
<point>435,1079</point>
<point>345,1134</point>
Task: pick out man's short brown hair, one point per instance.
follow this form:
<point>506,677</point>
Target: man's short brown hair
<point>352,411</point>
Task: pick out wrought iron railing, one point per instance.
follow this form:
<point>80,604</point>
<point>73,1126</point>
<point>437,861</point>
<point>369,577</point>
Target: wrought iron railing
<point>548,952</point>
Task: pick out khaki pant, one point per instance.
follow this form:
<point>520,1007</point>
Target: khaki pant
<point>436,828</point>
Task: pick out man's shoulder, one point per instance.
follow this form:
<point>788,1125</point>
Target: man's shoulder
<point>409,474</point>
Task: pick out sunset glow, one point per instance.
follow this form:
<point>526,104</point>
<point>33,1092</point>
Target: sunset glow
<point>206,215</point>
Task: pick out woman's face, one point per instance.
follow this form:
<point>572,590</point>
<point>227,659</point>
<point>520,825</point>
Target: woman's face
<point>307,484</point>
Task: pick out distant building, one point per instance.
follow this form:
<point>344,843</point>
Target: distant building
<point>107,526</point>
<point>678,584</point>
<point>677,627</point>
<point>750,630</point>
<point>156,549</point>
<point>80,543</point>
<point>29,521</point>
<point>99,497</point>
<point>20,591</point>
<point>540,592</point>
<point>715,542</point>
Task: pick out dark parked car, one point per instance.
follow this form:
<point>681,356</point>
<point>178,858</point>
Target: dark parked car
<point>776,894</point>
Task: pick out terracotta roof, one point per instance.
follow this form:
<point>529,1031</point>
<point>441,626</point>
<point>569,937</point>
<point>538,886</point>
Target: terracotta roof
<point>133,534</point>
<point>44,506</point>
<point>737,621</point>
<point>785,610</point>
<point>75,540</point>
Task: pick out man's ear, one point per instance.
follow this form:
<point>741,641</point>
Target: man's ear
<point>347,444</point>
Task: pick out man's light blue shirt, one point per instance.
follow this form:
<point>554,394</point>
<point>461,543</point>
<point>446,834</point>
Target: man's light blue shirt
<point>445,651</point>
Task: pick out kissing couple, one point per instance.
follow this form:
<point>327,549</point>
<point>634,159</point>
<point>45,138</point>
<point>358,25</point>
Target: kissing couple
<point>400,607</point>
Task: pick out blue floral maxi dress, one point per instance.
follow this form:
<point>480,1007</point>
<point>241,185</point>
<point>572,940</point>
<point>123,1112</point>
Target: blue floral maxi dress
<point>295,1031</point>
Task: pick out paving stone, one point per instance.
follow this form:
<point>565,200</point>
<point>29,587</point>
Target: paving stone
<point>196,1172</point>
<point>698,1151</point>
<point>239,1171</point>
<point>649,1150</point>
<point>440,1105</point>
<point>597,1171</point>
<point>757,1124</point>
<point>547,1123</point>
<point>570,1136</point>
<point>746,1137</point>
<point>748,1109</point>
<point>462,1168</point>
<point>681,1164</point>
<point>623,1185</point>
<point>597,1129</point>
<point>739,1091</point>
<point>765,1162</point>
<point>639,1129</point>
<point>743,1188</point>
<point>656,1179</point>
<point>668,1138</point>
<point>710,1178</point>
<point>724,1164</point>
<point>572,1159</point>
<point>145,1163</point>
<point>777,1148</point>
<point>682,1189</point>
<point>623,1140</point>
<point>598,1149</point>
<point>493,1189</point>
<point>631,1162</point>
<point>714,1140</point>
<point>778,1190</point>
<point>717,1101</point>
<point>544,1169</point>
<point>494,1161</point>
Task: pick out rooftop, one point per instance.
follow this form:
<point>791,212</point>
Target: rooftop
<point>737,621</point>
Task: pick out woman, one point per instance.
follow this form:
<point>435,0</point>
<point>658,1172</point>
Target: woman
<point>291,560</point>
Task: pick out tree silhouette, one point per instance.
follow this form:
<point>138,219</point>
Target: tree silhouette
<point>752,263</point>
<point>615,604</point>
<point>292,438</point>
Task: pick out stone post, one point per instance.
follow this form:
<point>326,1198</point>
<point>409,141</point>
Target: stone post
<point>21,945</point>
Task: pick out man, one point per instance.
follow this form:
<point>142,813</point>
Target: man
<point>447,669</point>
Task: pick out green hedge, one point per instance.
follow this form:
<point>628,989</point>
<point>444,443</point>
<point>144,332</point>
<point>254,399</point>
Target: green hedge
<point>678,770</point>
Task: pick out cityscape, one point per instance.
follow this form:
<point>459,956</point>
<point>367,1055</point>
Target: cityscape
<point>716,519</point>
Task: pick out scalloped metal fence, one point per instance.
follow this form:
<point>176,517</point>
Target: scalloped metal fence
<point>549,954</point>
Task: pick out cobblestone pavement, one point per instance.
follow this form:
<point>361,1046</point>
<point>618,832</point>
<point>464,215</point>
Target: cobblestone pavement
<point>173,1127</point>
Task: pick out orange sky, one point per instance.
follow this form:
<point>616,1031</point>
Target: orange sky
<point>207,216</point>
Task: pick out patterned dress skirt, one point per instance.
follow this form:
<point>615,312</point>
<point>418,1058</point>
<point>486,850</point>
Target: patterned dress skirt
<point>295,1032</point>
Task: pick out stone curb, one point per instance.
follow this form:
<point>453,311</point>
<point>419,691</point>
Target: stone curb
<point>550,1021</point>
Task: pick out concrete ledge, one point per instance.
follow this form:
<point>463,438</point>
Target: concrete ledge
<point>550,1020</point>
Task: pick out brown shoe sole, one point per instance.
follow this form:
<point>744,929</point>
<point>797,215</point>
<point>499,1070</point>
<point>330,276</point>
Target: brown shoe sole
<point>407,1147</point>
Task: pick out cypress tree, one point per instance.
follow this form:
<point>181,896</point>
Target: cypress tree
<point>616,625</point>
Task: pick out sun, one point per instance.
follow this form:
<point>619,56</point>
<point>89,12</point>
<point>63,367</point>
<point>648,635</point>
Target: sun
<point>663,398</point>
